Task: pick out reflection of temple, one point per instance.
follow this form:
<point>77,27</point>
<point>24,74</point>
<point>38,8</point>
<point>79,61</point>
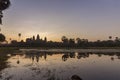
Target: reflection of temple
<point>36,56</point>
<point>36,40</point>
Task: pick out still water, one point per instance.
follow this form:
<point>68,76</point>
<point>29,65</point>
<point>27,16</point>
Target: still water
<point>61,66</point>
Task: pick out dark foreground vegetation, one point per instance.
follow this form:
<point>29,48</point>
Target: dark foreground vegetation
<point>3,59</point>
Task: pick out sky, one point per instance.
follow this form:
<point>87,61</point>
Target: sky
<point>91,19</point>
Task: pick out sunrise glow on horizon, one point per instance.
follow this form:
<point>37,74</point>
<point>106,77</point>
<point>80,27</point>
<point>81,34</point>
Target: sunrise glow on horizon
<point>89,19</point>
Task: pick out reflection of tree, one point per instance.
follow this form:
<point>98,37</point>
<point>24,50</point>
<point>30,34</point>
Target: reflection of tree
<point>18,61</point>
<point>82,55</point>
<point>64,57</point>
<point>72,55</point>
<point>35,56</point>
<point>99,55</point>
<point>112,58</point>
<point>68,55</point>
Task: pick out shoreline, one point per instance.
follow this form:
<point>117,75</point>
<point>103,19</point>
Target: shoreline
<point>43,49</point>
<point>72,50</point>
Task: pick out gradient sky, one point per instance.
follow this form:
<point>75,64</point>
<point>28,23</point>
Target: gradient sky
<point>91,19</point>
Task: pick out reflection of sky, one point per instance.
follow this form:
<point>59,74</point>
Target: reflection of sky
<point>92,19</point>
<point>89,68</point>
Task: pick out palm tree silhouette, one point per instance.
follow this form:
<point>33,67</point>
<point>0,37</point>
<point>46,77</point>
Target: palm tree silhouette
<point>4,4</point>
<point>19,35</point>
<point>110,37</point>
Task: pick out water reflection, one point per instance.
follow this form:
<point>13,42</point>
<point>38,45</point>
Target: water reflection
<point>64,57</point>
<point>62,66</point>
<point>86,55</point>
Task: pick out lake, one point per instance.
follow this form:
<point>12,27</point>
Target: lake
<point>34,65</point>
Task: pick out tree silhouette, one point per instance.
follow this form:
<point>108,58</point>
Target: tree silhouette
<point>110,37</point>
<point>2,38</point>
<point>78,40</point>
<point>71,41</point>
<point>4,4</point>
<point>64,39</point>
<point>19,35</point>
<point>116,39</point>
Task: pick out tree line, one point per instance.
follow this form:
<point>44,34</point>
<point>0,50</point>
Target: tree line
<point>65,42</point>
